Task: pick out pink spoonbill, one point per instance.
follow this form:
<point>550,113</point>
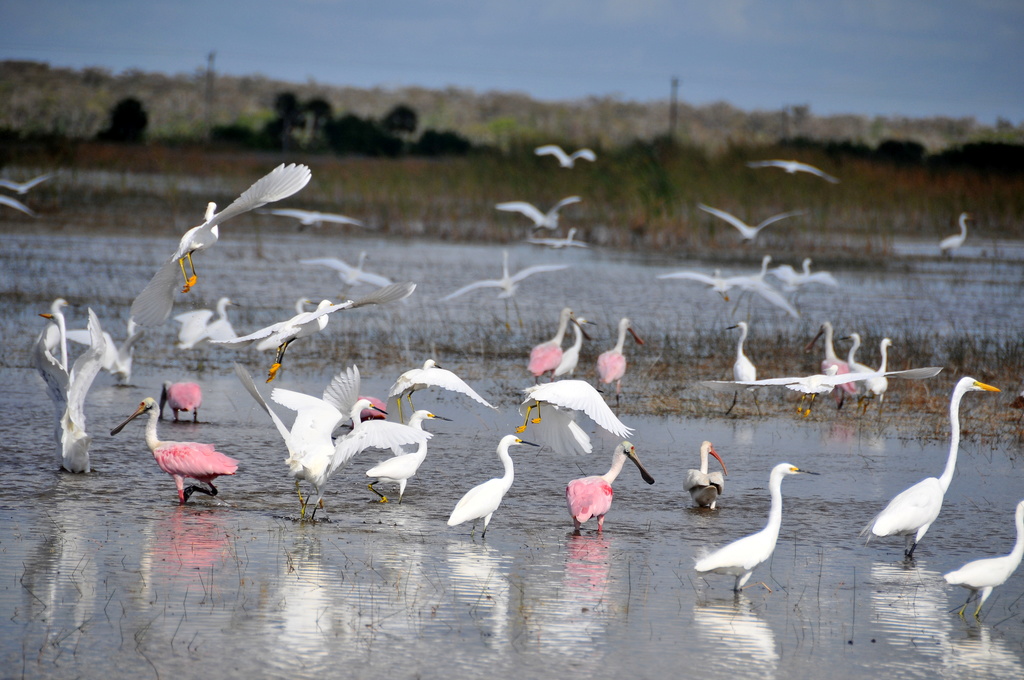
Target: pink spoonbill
<point>183,396</point>
<point>592,496</point>
<point>546,356</point>
<point>611,365</point>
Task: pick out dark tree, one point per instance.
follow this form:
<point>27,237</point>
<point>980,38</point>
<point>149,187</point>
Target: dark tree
<point>127,122</point>
<point>318,112</point>
<point>433,143</point>
<point>400,120</point>
<point>351,134</point>
<point>289,116</point>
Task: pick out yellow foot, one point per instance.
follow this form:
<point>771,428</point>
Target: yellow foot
<point>521,428</point>
<point>383,499</point>
<point>535,421</point>
<point>188,284</point>
<point>273,372</point>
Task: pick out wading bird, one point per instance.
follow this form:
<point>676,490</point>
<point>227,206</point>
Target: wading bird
<point>22,188</point>
<point>748,232</point>
<point>400,468</point>
<point>793,167</point>
<point>839,393</point>
<point>743,369</point>
<point>548,220</point>
<point>704,487</point>
<point>913,510</point>
<point>564,159</point>
<point>793,280</point>
<point>430,375</point>
<point>741,557</point>
<point>200,327</point>
<point>951,243</point>
<point>482,500</point>
<point>349,275</point>
<point>877,387</point>
<point>153,305</point>
<point>556,243</point>
<point>547,355</point>
<point>183,396</point>
<point>981,576</point>
<point>201,462</point>
<point>571,356</point>
<point>17,205</point>
<point>312,218</point>
<point>611,365</point>
<point>117,359</point>
<point>592,496</point>
<point>555,426</point>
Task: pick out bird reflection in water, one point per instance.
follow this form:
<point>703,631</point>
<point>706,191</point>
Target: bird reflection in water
<point>741,638</point>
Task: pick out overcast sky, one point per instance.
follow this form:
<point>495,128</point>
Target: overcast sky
<point>890,57</point>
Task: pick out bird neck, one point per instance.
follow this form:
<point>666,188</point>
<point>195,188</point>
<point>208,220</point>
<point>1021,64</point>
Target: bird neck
<point>739,345</point>
<point>152,441</point>
<point>853,352</point>
<point>1018,547</point>
<point>775,514</point>
<point>506,460</point>
<point>703,460</point>
<point>577,342</point>
<point>885,358</point>
<point>563,321</point>
<point>830,350</point>
<point>618,460</point>
<point>63,342</point>
<point>620,345</point>
<point>954,440</point>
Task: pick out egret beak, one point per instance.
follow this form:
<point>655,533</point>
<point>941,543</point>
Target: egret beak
<point>523,441</point>
<point>987,388</point>
<point>138,412</point>
<point>579,323</point>
<point>440,417</point>
<point>806,472</point>
<point>636,337</point>
<point>378,408</point>
<point>715,454</point>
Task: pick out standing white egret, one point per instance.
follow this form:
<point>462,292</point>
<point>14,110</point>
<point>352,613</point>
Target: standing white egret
<point>548,220</point>
<point>200,327</point>
<point>313,218</point>
<point>611,365</point>
<point>793,167</point>
<point>985,574</point>
<point>348,274</point>
<point>743,368</point>
<point>564,159</point>
<point>877,387</point>
<point>747,232</point>
<point>556,243</point>
<point>588,497</point>
<point>951,243</point>
<point>555,426</point>
<point>22,188</point>
<point>153,305</point>
<point>482,500</point>
<point>741,557</point>
<point>571,356</point>
<point>17,205</point>
<point>398,469</point>
<point>430,375</point>
<point>705,487</point>
<point>913,510</point>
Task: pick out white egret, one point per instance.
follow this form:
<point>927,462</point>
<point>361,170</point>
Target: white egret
<point>571,356</point>
<point>548,220</point>
<point>117,359</point>
<point>831,359</point>
<point>877,387</point>
<point>592,496</point>
<point>482,500</point>
<point>17,205</point>
<point>348,274</point>
<point>705,487</point>
<point>743,368</point>
<point>555,426</point>
<point>556,243</point>
<point>398,469</point>
<point>913,510</point>
<point>430,375</point>
<point>748,232</point>
<point>793,167</point>
<point>981,576</point>
<point>313,218</point>
<point>741,557</point>
<point>611,365</point>
<point>200,327</point>
<point>507,283</point>
<point>951,243</point>
<point>792,279</point>
<point>547,355</point>
<point>564,159</point>
<point>305,324</point>
<point>754,283</point>
<point>22,188</point>
<point>153,305</point>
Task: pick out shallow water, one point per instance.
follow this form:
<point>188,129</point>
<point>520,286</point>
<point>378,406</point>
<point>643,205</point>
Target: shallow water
<point>107,576</point>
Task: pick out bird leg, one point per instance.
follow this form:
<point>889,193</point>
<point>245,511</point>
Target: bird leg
<point>756,405</point>
<point>276,366</point>
<point>189,280</point>
<point>301,501</point>
<point>909,552</point>
<point>759,583</point>
<point>526,420</point>
<point>192,488</point>
<point>195,418</point>
<point>735,396</point>
<point>383,498</point>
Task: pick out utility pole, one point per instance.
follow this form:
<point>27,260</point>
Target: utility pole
<point>209,94</point>
<point>673,109</point>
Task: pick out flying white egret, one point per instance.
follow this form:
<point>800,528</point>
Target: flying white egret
<point>555,426</point>
<point>548,220</point>
<point>17,205</point>
<point>557,243</point>
<point>981,576</point>
<point>200,327</point>
<point>793,167</point>
<point>741,557</point>
<point>430,375</point>
<point>22,188</point>
<point>951,243</point>
<point>753,283</point>
<point>913,510</point>
<point>482,500</point>
<point>348,274</point>
<point>588,497</point>
<point>117,359</point>
<point>153,305</point>
<point>308,323</point>
<point>571,356</point>
<point>313,218</point>
<point>564,159</point>
<point>792,279</point>
<point>398,469</point>
<point>743,368</point>
<point>748,232</point>
<point>705,487</point>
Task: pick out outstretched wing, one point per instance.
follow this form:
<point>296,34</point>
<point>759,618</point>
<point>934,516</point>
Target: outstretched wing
<point>488,283</point>
<point>553,150</point>
<point>250,386</point>
<point>536,269</point>
<point>343,391</point>
<point>279,183</point>
<point>523,207</point>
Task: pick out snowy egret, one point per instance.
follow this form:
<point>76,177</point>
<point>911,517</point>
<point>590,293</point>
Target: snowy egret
<point>743,368</point>
<point>748,232</point>
<point>182,396</point>
<point>741,557</point>
<point>548,220</point>
<point>153,304</point>
<point>839,394</point>
<point>981,576</point>
<point>913,510</point>
<point>592,496</point>
<point>398,469</point>
<point>22,188</point>
<point>793,280</point>
<point>611,365</point>
<point>951,243</point>
<point>556,243</point>
<point>348,274</point>
<point>17,205</point>
<point>482,500</point>
<point>556,427</point>
<point>793,167</point>
<point>877,387</point>
<point>117,359</point>
<point>704,487</point>
<point>564,159</point>
<point>201,462</point>
<point>430,375</point>
<point>753,283</point>
<point>200,327</point>
<point>571,356</point>
<point>313,218</point>
<point>547,355</point>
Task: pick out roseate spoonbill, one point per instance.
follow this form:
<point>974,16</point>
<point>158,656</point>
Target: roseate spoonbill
<point>182,396</point>
<point>831,359</point>
<point>704,487</point>
<point>431,375</point>
<point>913,510</point>
<point>556,243</point>
<point>571,356</point>
<point>592,496</point>
<point>348,274</point>
<point>547,355</point>
<point>548,220</point>
<point>747,232</point>
<point>611,365</point>
<point>153,305</point>
<point>17,205</point>
<point>398,469</point>
<point>117,359</point>
<point>555,426</point>
<point>743,368</point>
<point>22,188</point>
<point>482,500</point>
<point>741,557</point>
<point>308,323</point>
<point>793,167</point>
<point>200,327</point>
<point>313,218</point>
<point>564,159</point>
<point>951,243</point>
<point>985,574</point>
<point>201,462</point>
<point>792,280</point>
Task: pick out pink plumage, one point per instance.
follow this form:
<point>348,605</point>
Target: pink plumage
<point>588,497</point>
<point>544,357</point>
<point>838,390</point>
<point>201,462</point>
<point>183,396</point>
<point>611,366</point>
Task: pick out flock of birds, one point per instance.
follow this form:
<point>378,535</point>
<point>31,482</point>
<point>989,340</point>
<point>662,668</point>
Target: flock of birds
<point>318,444</point>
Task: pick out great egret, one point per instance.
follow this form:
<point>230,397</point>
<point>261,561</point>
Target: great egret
<point>398,469</point>
<point>182,396</point>
<point>793,167</point>
<point>611,365</point>
<point>753,283</point>
<point>564,159</point>
<point>951,243</point>
<point>22,188</point>
<point>547,355</point>
<point>705,487</point>
<point>548,220</point>
<point>556,243</point>
<point>313,218</point>
<point>839,394</point>
<point>482,500</point>
<point>430,375</point>
<point>592,496</point>
<point>748,232</point>
<point>200,327</point>
<point>348,274</point>
<point>981,576</point>
<point>201,462</point>
<point>117,359</point>
<point>913,510</point>
<point>792,279</point>
<point>571,356</point>
<point>743,368</point>
<point>153,305</point>
<point>741,557</point>
<point>877,387</point>
<point>555,425</point>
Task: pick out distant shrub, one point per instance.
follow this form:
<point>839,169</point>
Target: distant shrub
<point>991,156</point>
<point>445,143</point>
<point>900,152</point>
<point>128,122</point>
<point>351,134</point>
